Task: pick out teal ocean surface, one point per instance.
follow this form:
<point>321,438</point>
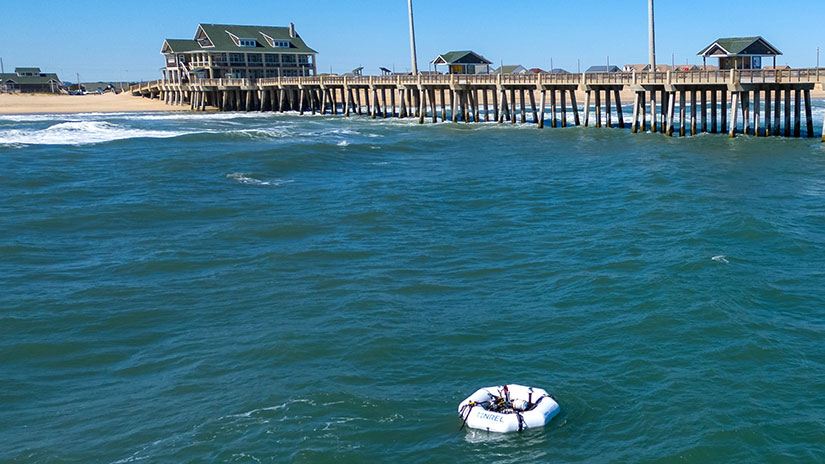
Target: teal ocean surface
<point>274,288</point>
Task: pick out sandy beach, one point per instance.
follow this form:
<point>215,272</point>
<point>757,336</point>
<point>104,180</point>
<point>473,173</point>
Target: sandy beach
<point>106,103</point>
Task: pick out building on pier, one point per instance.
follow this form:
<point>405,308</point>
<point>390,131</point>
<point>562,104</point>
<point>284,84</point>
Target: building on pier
<point>739,52</point>
<point>232,51</point>
<point>463,62</point>
<point>30,80</point>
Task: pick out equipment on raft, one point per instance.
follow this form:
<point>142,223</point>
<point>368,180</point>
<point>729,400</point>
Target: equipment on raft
<point>508,408</point>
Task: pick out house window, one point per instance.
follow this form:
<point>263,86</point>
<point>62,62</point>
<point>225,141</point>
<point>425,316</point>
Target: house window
<point>236,58</point>
<point>254,59</point>
<point>271,73</point>
<point>271,58</point>
<point>303,59</point>
<point>288,59</point>
<point>249,43</point>
<point>280,43</point>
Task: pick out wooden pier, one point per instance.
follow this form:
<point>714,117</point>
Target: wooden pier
<point>769,102</point>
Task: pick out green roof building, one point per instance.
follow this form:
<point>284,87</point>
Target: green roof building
<point>31,80</point>
<point>740,52</point>
<point>232,51</point>
<point>463,62</point>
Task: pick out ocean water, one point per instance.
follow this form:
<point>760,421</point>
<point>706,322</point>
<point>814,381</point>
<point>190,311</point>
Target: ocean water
<point>274,288</point>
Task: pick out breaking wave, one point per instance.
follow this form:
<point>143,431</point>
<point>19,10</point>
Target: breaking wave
<point>79,133</point>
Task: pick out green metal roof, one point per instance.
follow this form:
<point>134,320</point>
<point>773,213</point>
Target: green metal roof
<point>44,79</point>
<point>222,41</point>
<point>462,57</point>
<point>180,46</point>
<point>27,70</point>
<point>742,46</point>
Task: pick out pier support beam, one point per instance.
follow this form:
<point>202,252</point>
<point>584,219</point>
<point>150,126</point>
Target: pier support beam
<point>734,112</point>
<point>598,106</point>
<point>787,112</point>
<point>714,128</point>
<point>586,108</point>
<point>653,122</point>
<point>693,112</point>
<point>682,112</point>
<point>777,112</point>
<point>634,125</point>
<point>607,109</point>
<point>757,113</point>
<point>575,107</point>
<point>767,113</point>
<point>553,117</point>
<point>797,113</point>
<point>671,104</point>
<point>704,111</point>
<point>542,103</point>
<point>808,119</point>
<point>723,110</point>
<point>563,98</point>
<point>618,97</point>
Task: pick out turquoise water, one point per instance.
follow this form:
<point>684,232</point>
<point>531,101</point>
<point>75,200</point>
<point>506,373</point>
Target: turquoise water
<point>275,288</point>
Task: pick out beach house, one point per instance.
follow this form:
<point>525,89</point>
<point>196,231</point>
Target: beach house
<point>511,69</point>
<point>31,80</point>
<point>603,69</point>
<point>463,62</point>
<point>740,52</point>
<point>232,51</point>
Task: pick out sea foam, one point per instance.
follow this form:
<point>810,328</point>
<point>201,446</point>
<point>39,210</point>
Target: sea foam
<point>79,133</point>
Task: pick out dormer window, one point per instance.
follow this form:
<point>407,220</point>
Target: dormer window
<point>280,43</point>
<point>248,43</point>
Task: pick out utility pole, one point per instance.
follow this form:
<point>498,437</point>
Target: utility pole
<point>412,40</point>
<point>651,37</point>
<point>3,68</point>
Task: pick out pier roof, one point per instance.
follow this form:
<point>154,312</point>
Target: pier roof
<point>461,57</point>
<point>740,46</point>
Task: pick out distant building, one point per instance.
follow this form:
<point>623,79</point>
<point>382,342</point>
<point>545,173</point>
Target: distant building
<point>463,62</point>
<point>537,71</point>
<point>511,69</point>
<point>740,52</point>
<point>558,71</point>
<point>781,67</point>
<point>635,67</point>
<point>603,69</point>
<point>230,51</point>
<point>29,80</point>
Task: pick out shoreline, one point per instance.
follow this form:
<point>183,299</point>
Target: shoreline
<point>22,104</point>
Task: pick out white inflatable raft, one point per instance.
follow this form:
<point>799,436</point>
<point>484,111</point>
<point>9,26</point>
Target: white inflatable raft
<point>508,408</point>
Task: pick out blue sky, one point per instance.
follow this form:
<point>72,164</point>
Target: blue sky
<point>122,40</point>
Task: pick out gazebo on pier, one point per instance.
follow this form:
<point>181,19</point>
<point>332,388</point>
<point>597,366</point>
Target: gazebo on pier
<point>463,62</point>
<point>739,52</point>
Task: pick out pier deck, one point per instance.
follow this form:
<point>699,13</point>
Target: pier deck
<point>755,95</point>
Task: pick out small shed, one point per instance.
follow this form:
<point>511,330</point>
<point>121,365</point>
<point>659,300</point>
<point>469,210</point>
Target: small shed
<point>463,62</point>
<point>740,52</point>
